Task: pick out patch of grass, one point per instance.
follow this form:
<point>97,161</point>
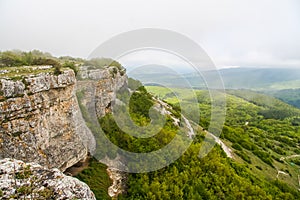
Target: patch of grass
<point>97,63</point>
<point>46,193</point>
<point>72,66</point>
<point>24,190</point>
<point>57,70</point>
<point>96,177</point>
<point>26,173</point>
<point>18,73</point>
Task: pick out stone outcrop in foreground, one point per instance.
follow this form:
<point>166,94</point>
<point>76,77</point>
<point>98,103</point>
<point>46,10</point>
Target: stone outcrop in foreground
<point>19,180</point>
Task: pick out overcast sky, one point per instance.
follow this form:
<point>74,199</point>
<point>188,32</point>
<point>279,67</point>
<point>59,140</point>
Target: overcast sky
<point>257,33</point>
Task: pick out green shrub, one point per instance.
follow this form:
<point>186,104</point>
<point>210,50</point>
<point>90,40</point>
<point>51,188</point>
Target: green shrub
<point>103,62</point>
<point>237,146</point>
<point>140,102</point>
<point>26,173</point>
<point>134,84</point>
<point>72,66</point>
<point>264,156</point>
<point>57,70</point>
<point>258,167</point>
<point>244,156</point>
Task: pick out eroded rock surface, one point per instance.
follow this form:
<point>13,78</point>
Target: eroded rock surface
<point>40,120</point>
<point>19,180</point>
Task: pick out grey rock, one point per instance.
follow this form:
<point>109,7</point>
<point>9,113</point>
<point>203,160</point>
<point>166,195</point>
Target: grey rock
<point>11,88</point>
<point>40,119</point>
<point>20,180</point>
<point>43,124</point>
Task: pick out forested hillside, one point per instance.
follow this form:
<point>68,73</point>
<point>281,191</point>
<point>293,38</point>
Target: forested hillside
<point>264,135</point>
<point>290,96</point>
<point>264,141</point>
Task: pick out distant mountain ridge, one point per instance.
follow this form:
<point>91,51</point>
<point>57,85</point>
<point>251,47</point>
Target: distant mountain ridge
<point>282,83</point>
<point>233,78</point>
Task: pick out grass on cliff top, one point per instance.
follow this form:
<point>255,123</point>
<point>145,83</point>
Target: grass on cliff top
<point>17,73</point>
<point>96,63</point>
<point>17,64</point>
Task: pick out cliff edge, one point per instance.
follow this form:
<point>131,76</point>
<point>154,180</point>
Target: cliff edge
<point>40,119</point>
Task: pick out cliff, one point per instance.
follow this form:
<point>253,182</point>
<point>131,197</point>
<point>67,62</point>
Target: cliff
<point>41,120</point>
<point>100,87</point>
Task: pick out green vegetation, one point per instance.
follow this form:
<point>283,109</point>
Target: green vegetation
<point>19,58</point>
<point>272,107</point>
<point>260,129</point>
<point>26,173</point>
<point>139,105</point>
<point>102,62</point>
<point>290,96</point>
<point>93,175</point>
<point>96,177</point>
<point>134,84</point>
<point>15,64</point>
<point>284,85</point>
<point>213,177</point>
<point>133,144</point>
<point>259,143</point>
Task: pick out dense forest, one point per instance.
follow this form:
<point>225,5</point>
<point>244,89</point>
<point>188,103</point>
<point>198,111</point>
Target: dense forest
<point>290,96</point>
<point>257,171</point>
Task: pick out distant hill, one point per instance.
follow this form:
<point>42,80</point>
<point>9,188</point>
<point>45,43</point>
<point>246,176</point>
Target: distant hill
<point>290,96</point>
<point>233,78</point>
<point>282,83</point>
<point>265,78</point>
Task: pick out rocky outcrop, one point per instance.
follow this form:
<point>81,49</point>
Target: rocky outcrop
<point>40,120</point>
<point>100,87</point>
<point>119,179</point>
<point>19,180</point>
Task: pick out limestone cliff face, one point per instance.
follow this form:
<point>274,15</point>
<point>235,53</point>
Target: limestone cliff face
<point>40,119</point>
<point>100,87</point>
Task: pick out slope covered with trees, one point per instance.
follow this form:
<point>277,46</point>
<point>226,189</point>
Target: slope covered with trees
<point>261,144</point>
<point>262,131</point>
